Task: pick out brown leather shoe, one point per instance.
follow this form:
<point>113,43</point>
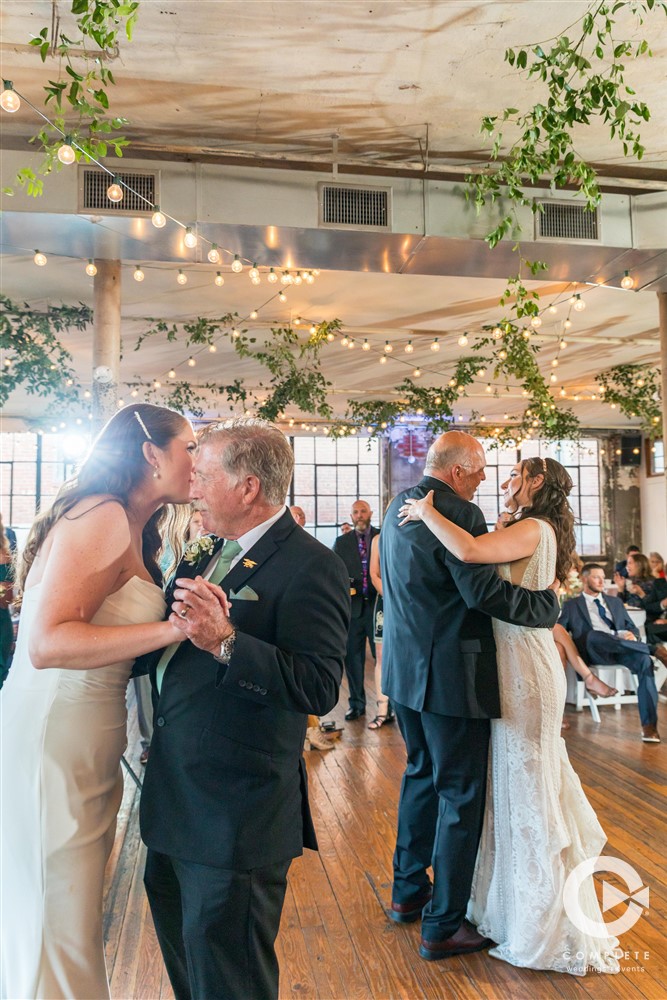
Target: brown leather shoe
<point>660,653</point>
<point>463,942</point>
<point>650,734</point>
<point>407,913</point>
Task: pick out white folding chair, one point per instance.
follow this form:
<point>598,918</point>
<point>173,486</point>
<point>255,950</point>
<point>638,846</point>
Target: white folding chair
<point>616,676</point>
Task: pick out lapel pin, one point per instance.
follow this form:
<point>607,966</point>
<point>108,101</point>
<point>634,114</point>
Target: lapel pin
<point>248,563</point>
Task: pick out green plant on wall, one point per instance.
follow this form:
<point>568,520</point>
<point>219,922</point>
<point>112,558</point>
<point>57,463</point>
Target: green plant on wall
<point>78,99</point>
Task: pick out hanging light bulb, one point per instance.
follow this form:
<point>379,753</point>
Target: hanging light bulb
<point>553,309</point>
<point>297,278</point>
<point>285,278</point>
<point>235,333</point>
<point>463,340</point>
<point>417,373</point>
<point>502,355</point>
<point>212,348</point>
<point>309,277</point>
<point>536,322</point>
<point>115,191</point>
<point>626,281</point>
<point>497,333</point>
<point>171,373</point>
<point>331,336</point>
<point>157,218</point>
<point>297,321</point>
<point>91,269</point>
<point>190,239</point>
<point>352,344</point>
<point>66,154</point>
<point>435,346</point>
<point>388,347</point>
<point>138,273</point>
<point>553,376</point>
<point>579,304</point>
<point>554,362</point>
<point>9,99</point>
<point>409,348</point>
<point>181,278</point>
<point>365,346</point>
<point>272,277</point>
<point>253,273</point>
<point>253,314</point>
<point>567,324</point>
<point>572,299</point>
<point>191,362</point>
<point>383,359</point>
<point>563,344</point>
<point>39,258</point>
<point>157,384</point>
<point>214,254</point>
<point>526,334</point>
<point>282,296</point>
<point>344,341</point>
<point>313,331</point>
<point>237,265</point>
<point>218,280</point>
<point>488,387</point>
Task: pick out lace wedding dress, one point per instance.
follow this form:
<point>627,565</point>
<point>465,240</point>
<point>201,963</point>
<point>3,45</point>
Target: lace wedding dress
<point>538,824</point>
<point>63,733</point>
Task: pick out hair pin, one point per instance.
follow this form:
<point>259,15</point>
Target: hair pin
<point>143,425</point>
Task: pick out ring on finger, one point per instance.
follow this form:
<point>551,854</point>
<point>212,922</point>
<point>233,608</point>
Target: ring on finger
<point>183,613</point>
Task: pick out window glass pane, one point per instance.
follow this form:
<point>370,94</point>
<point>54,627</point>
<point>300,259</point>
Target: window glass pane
<point>326,510</point>
<point>344,507</point>
<point>347,479</point>
<point>591,540</point>
<point>304,478</point>
<point>325,450</point>
<point>589,480</point>
<point>326,535</point>
<point>304,449</point>
<point>308,504</point>
<point>326,480</point>
<point>348,451</point>
<point>368,479</point>
<point>369,451</point>
<point>23,509</point>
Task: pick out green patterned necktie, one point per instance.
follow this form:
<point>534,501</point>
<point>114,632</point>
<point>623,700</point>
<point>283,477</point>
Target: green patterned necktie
<point>228,553</point>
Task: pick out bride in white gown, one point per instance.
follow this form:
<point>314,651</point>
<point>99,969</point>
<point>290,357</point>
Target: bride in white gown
<point>538,824</point>
<point>92,603</point>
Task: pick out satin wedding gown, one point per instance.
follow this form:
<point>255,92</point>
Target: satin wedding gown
<point>538,825</point>
<point>63,733</point>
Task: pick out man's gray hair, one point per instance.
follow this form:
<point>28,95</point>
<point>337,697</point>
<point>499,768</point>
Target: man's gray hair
<point>254,447</point>
<point>450,449</point>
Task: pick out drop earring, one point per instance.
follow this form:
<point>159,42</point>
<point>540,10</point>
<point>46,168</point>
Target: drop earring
<point>156,473</point>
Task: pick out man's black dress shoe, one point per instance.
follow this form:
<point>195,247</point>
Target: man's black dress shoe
<point>463,942</point>
<point>354,713</point>
<point>407,913</point>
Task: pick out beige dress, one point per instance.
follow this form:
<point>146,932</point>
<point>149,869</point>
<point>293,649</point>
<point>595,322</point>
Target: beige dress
<point>62,736</point>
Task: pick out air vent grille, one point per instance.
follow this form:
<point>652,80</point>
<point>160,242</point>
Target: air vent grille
<point>352,207</point>
<point>567,221</point>
<point>139,194</point>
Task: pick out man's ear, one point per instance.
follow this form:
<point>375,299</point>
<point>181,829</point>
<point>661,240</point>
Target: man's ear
<point>251,489</point>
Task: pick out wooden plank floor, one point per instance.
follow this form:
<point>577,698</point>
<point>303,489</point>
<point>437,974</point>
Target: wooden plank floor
<point>336,941</point>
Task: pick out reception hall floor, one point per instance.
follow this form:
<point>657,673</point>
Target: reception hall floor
<point>336,941</point>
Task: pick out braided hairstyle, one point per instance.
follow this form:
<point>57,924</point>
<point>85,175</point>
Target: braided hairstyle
<point>549,503</point>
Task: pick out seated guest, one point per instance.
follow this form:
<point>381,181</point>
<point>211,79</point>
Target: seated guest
<point>657,564</point>
<point>638,583</point>
<point>299,515</point>
<point>655,606</point>
<point>603,632</point>
<point>621,567</point>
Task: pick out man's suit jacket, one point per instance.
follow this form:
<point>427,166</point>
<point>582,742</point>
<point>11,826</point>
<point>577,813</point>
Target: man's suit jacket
<point>347,547</point>
<point>225,784</point>
<point>438,651</point>
<point>575,618</point>
<point>651,603</point>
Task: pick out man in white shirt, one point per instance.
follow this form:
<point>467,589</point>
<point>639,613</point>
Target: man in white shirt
<point>604,633</point>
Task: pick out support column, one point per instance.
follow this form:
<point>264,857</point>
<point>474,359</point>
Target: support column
<point>106,340</point>
<point>662,321</point>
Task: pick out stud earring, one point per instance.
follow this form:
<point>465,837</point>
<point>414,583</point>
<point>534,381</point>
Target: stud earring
<point>156,473</point>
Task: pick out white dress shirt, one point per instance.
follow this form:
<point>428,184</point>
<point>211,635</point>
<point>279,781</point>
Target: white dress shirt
<point>246,542</point>
<point>596,621</point>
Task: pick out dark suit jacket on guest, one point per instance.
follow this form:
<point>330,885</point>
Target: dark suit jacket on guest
<point>575,618</point>
<point>439,654</point>
<point>347,547</point>
<point>225,784</point>
<point>651,603</point>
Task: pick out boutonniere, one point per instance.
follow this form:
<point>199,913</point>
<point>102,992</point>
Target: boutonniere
<point>248,563</point>
<point>198,548</point>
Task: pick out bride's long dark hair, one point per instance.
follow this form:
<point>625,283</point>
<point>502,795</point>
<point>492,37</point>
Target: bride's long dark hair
<point>115,466</point>
<point>549,503</point>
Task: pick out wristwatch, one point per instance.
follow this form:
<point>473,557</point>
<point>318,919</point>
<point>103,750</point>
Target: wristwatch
<point>226,648</point>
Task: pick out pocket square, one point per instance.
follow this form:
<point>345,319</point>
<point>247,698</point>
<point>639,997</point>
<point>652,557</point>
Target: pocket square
<point>244,594</point>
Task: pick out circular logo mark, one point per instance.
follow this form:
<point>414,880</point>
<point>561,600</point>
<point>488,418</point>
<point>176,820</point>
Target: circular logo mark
<point>636,896</point>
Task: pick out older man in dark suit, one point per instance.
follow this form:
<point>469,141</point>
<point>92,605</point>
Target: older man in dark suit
<point>603,632</point>
<point>439,670</point>
<point>354,548</point>
<point>224,806</point>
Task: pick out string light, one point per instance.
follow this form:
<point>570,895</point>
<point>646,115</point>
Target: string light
<point>9,99</point>
<point>331,336</point>
<point>309,277</point>
<point>552,309</point>
<point>40,258</point>
<point>463,340</point>
<point>388,347</point>
<point>297,321</point>
<point>282,296</point>
<point>366,346</point>
<point>253,274</point>
<point>138,273</point>
<point>497,333</point>
<point>567,324</point>
<point>417,373</point>
<point>190,239</point>
<point>409,348</point>
<point>488,387</point>
<point>157,384</point>
<point>214,254</point>
<point>171,373</point>
<point>191,362</point>
<point>626,281</point>
<point>351,345</point>
<point>253,314</point>
<point>313,331</point>
<point>212,348</point>
<point>237,266</point>
<point>297,279</point>
<point>272,277</point>
<point>115,191</point>
<point>181,278</point>
<point>536,322</point>
<point>66,154</point>
<point>383,359</point>
<point>285,278</point>
<point>563,344</point>
<point>435,346</point>
<point>218,280</point>
<point>91,269</point>
<point>158,219</point>
<point>553,376</point>
<point>579,304</point>
<point>554,362</point>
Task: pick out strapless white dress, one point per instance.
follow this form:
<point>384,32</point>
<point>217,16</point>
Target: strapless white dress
<point>62,736</point>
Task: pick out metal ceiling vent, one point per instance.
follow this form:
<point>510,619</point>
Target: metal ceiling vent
<point>566,221</point>
<point>141,192</point>
<point>352,206</point>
